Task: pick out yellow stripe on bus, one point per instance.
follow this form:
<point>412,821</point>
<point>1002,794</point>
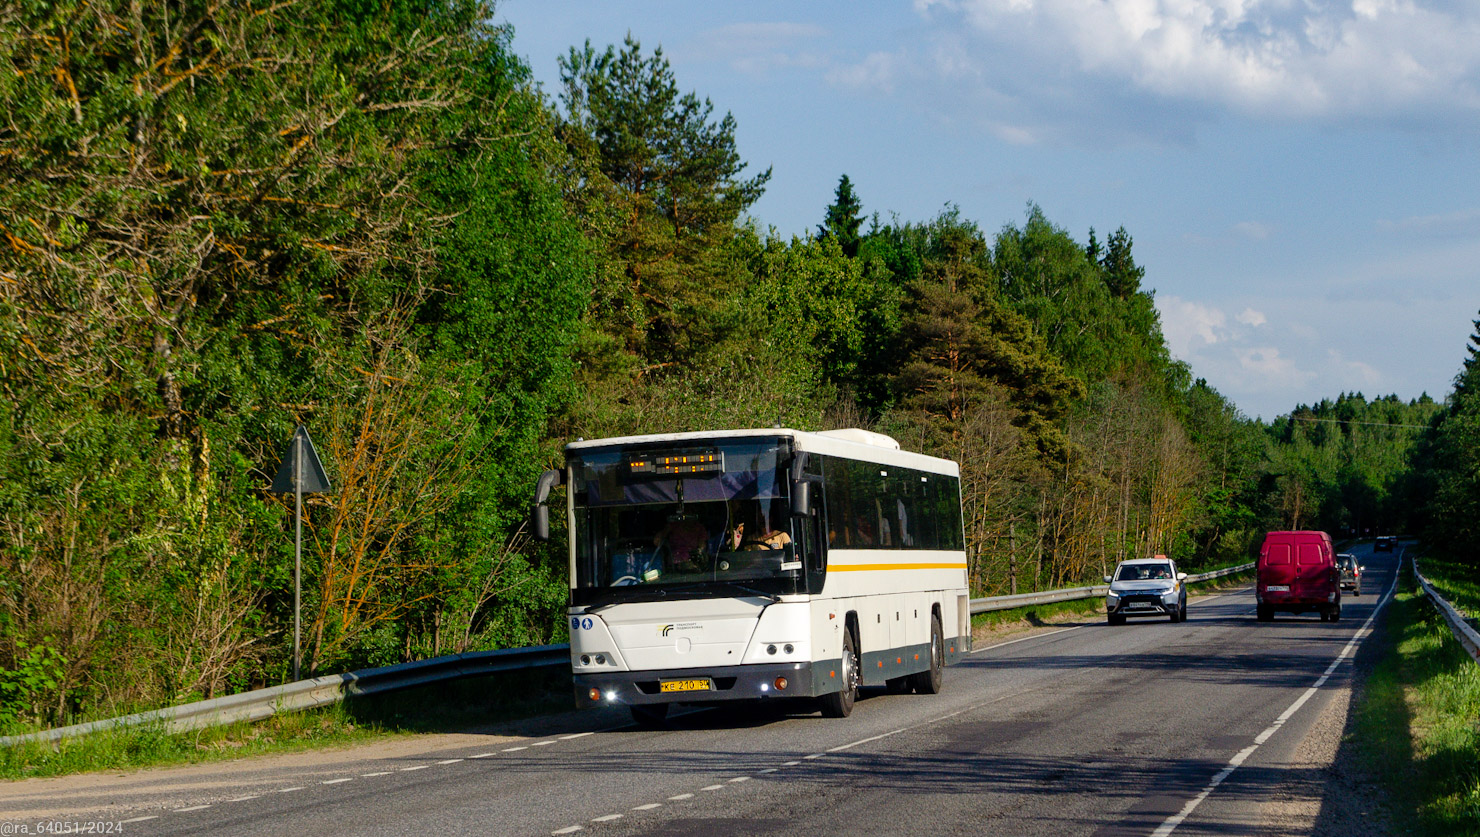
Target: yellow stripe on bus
<point>835,568</point>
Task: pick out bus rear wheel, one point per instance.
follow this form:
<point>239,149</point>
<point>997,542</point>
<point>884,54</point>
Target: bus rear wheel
<point>928,682</point>
<point>839,704</point>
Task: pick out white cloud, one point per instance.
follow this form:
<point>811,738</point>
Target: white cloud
<point>1189,326</point>
<point>1271,370</point>
<point>1388,61</point>
<point>1252,318</point>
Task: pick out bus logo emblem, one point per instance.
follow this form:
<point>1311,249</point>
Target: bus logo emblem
<point>665,629</point>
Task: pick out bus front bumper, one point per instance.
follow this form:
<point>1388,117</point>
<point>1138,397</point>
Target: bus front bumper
<point>699,685</point>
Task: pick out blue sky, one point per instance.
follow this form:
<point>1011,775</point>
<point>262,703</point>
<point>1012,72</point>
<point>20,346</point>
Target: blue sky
<point>1301,178</point>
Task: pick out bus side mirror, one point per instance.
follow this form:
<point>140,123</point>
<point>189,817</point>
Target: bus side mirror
<point>801,498</point>
<point>540,516</point>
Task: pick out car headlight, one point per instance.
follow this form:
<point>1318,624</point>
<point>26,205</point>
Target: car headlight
<point>1112,596</point>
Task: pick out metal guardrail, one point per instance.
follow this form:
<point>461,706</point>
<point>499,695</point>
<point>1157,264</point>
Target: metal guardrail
<point>1458,624</point>
<point>321,691</point>
<point>1071,594</point>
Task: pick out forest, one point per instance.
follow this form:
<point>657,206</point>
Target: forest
<point>223,220</point>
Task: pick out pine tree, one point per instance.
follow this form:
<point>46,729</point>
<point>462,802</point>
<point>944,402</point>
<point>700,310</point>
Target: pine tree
<point>844,218</point>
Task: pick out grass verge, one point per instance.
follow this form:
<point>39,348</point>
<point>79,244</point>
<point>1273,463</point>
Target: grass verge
<point>1418,722</point>
<point>440,707</point>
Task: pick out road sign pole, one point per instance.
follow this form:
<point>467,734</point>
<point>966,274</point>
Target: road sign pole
<point>297,551</point>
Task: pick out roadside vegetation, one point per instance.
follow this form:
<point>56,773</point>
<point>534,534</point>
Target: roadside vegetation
<point>468,705</point>
<point>221,221</point>
<point>1416,724</point>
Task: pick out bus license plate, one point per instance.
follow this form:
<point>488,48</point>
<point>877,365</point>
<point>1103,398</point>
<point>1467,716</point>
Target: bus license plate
<point>684,686</point>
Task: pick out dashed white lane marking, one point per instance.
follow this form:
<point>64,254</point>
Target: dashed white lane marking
<point>680,797</point>
<point>577,735</point>
<point>815,756</point>
<point>482,755</point>
<point>768,770</point>
<point>513,749</point>
<point>245,798</point>
<point>1171,823</point>
<point>791,764</point>
<point>290,790</point>
<point>415,767</point>
<point>648,807</point>
<point>381,773</point>
<point>450,761</point>
<point>140,819</point>
<point>1023,639</point>
<point>740,779</point>
<point>841,747</point>
<point>337,781</point>
<point>542,743</point>
<point>195,808</point>
<point>569,830</point>
<point>712,788</point>
<point>608,818</point>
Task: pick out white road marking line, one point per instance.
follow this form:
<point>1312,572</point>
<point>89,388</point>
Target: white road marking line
<point>680,797</point>
<point>1024,639</point>
<point>1171,823</point>
<point>513,749</point>
<point>196,808</point>
<point>570,830</point>
<point>577,735</point>
<point>769,770</point>
<point>290,790</point>
<point>381,773</point>
<point>450,761</point>
<point>482,755</point>
<point>842,747</point>
<point>648,807</point>
<point>542,743</point>
<point>417,767</point>
<point>740,779</point>
<point>337,781</point>
<point>244,798</point>
<point>140,819</point>
<point>712,788</point>
<point>791,764</point>
<point>814,756</point>
<point>608,818</point>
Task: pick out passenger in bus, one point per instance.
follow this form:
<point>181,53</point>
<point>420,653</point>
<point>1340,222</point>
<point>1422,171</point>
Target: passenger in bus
<point>685,538</point>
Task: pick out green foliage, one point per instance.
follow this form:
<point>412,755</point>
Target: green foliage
<point>843,219</point>
<point>38,672</point>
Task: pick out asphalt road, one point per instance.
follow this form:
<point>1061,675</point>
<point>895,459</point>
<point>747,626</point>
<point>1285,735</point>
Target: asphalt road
<point>1146,728</point>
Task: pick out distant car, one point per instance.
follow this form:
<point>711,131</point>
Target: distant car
<point>1385,543</point>
<point>1351,573</point>
<point>1146,587</point>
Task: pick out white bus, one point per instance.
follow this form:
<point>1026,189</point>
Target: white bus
<point>753,564</point>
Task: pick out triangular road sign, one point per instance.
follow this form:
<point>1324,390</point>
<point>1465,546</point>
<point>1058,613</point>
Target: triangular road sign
<point>314,478</point>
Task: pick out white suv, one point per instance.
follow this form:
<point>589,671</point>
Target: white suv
<point>1146,587</point>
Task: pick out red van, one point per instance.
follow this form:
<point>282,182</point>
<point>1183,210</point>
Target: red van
<point>1297,574</point>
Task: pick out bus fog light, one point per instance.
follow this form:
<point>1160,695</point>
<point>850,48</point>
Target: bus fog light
<point>781,684</point>
<point>789,649</point>
<point>601,659</point>
<point>770,649</point>
<point>585,659</point>
<point>594,695</point>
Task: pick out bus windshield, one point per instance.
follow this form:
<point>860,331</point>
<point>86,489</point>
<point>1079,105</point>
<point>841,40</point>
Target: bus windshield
<point>698,519</point>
